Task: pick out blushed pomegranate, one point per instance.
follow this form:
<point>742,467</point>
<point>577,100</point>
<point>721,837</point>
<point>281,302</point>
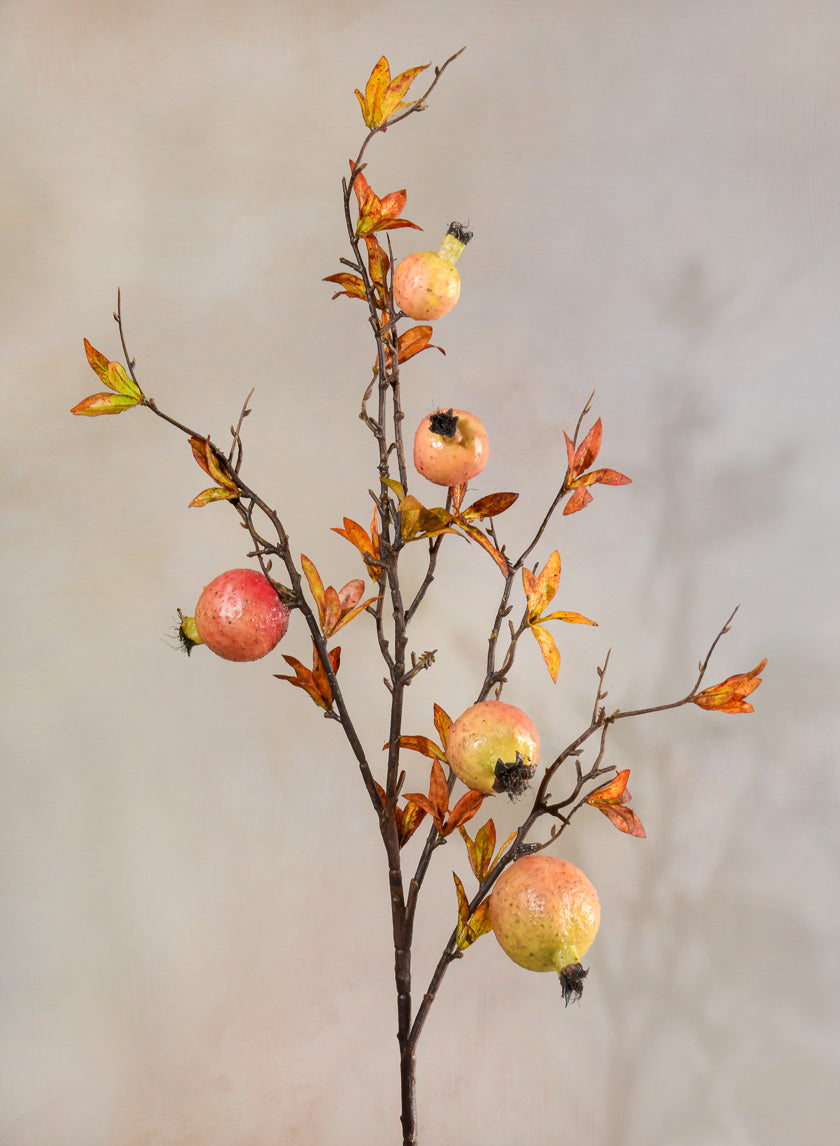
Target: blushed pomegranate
<point>239,615</point>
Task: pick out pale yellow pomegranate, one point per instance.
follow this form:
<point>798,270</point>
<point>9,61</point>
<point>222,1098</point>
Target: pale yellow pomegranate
<point>545,914</point>
<point>427,285</point>
<point>493,747</point>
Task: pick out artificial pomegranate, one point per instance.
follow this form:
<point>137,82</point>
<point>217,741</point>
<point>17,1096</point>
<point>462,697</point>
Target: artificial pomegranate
<point>427,285</point>
<point>493,747</point>
<point>450,447</point>
<point>545,914</point>
<point>239,615</point>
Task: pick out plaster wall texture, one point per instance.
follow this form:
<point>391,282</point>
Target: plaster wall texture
<point>194,935</point>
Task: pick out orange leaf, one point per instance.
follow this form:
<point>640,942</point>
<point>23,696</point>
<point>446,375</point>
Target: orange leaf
<point>470,927</point>
<point>612,799</point>
<point>98,362</point>
<point>613,792</point>
<point>383,96</point>
<point>569,618</point>
<point>540,590</point>
<point>548,648</point>
<point>463,903</point>
<point>623,818</point>
<point>463,811</point>
<point>377,214</point>
<point>316,585</point>
<point>578,462</point>
<point>414,340</point>
<point>423,745</point>
<point>354,287</point>
<point>475,534</point>
<point>586,452</point>
<point>579,500</point>
<point>490,505</point>
<point>410,820</point>
<point>604,477</point>
<point>425,804</point>
<point>503,849</point>
<point>479,922</point>
<point>346,618</point>
<point>438,789</point>
<point>350,594</point>
<point>332,611</point>
<point>396,89</point>
<point>729,695</point>
<point>418,522</point>
<point>443,722</point>
<point>378,264</point>
<point>367,544</point>
<point>315,680</point>
<point>211,463</point>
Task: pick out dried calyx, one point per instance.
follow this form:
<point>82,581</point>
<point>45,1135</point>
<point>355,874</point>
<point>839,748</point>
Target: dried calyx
<point>444,423</point>
<point>513,779</point>
<point>571,982</point>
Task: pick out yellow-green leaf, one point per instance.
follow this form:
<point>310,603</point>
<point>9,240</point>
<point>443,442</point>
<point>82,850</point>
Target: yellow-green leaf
<point>217,493</point>
<point>103,403</point>
<point>122,382</point>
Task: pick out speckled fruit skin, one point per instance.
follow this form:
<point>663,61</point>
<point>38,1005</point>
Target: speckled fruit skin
<point>451,461</point>
<point>426,286</point>
<point>239,615</point>
<point>489,731</point>
<point>544,913</point>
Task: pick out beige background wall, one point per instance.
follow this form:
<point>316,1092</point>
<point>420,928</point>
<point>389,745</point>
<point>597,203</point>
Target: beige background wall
<point>194,934</point>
